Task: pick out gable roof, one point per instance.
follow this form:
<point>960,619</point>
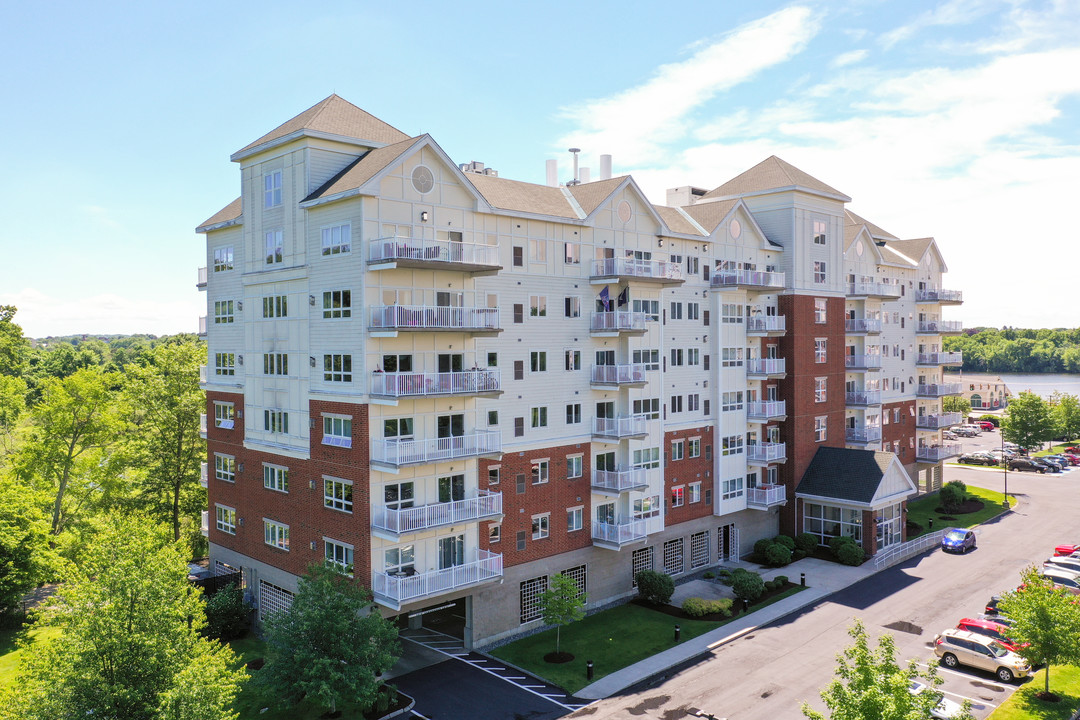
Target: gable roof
<point>914,249</point>
<point>710,214</point>
<point>231,214</point>
<point>590,195</point>
<point>851,219</point>
<point>773,174</point>
<point>362,169</point>
<point>523,197</point>
<point>677,221</point>
<point>332,116</point>
<point>846,474</point>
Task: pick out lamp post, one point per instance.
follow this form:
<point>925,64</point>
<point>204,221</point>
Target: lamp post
<point>1005,464</point>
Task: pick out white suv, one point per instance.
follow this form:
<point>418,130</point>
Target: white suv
<point>960,647</point>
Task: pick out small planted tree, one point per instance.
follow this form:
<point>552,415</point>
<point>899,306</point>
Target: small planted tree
<point>655,587</point>
<point>561,604</point>
<point>747,586</point>
<point>953,495</point>
<point>1029,421</point>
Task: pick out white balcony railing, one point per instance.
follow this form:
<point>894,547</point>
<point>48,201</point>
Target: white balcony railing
<point>389,249</point>
<point>202,374</point>
<point>872,289</point>
<point>766,495</point>
<point>933,295</point>
<point>940,358</point>
<point>862,362</point>
<point>204,474</point>
<point>202,278</point>
<point>936,422</point>
<point>202,425</point>
<point>622,532</point>
<point>620,480</point>
<point>202,326</point>
<point>415,519</point>
<point>862,397</point>
<point>399,589</point>
<point>418,384</point>
<point>862,325</point>
<point>629,267</point>
<point>940,327</point>
<point>765,410</point>
<point>618,374</point>
<point>205,523</point>
<point>766,323</point>
<point>620,427</point>
<point>766,452</point>
<point>935,453</point>
<point>617,321</point>
<point>748,278</point>
<point>765,366</point>
<point>868,434</point>
<point>394,451</point>
<point>938,389</point>
<point>434,317</point>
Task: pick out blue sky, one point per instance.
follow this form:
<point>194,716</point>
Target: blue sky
<point>957,119</point>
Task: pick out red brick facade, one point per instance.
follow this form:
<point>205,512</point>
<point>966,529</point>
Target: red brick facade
<point>898,425</point>
<point>680,473</point>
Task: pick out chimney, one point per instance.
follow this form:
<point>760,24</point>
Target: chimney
<point>605,167</point>
<point>585,174</point>
<point>553,173</point>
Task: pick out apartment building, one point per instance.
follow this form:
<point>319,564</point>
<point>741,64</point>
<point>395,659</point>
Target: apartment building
<point>454,385</point>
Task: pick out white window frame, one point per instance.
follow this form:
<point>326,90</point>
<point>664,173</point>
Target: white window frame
<point>541,526</point>
<point>538,361</point>
<point>494,533</point>
<point>541,471</point>
<point>539,416</point>
<point>820,272</point>
<point>337,430</point>
<point>337,494</point>
<point>276,364</point>
<point>343,308</point>
<point>820,309</point>
<point>537,306</point>
<point>272,186</point>
<point>225,519</point>
<point>820,345</point>
<point>693,447</point>
<point>575,466</point>
<point>276,534</point>
<point>224,415</point>
<point>275,306</point>
<point>224,363</point>
<point>337,368</point>
<point>276,421</point>
<point>678,450</point>
<point>575,518</point>
<point>337,239</point>
<point>224,312</point>
<point>224,467</point>
<point>223,258</point>
<point>693,492</point>
<point>678,496</point>
<point>821,385</point>
<point>274,246</point>
<point>820,428</point>
<point>331,551</point>
<point>276,477</point>
<point>819,232</point>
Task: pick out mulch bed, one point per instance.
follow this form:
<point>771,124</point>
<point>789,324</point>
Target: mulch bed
<point>400,703</point>
<point>558,658</point>
<point>736,607</point>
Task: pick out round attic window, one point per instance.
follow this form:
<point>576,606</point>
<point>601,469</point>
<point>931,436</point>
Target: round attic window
<point>625,211</point>
<point>735,229</point>
<point>858,248</point>
<point>422,179</point>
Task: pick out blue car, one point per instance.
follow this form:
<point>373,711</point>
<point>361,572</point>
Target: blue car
<point>958,540</point>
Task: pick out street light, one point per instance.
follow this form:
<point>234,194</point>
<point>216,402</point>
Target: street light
<point>1005,464</point>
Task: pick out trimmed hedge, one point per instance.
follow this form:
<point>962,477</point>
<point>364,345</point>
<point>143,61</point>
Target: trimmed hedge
<point>699,607</point>
<point>785,540</point>
<point>850,554</point>
<point>777,555</point>
<point>748,586</point>
<point>762,546</point>
<point>655,587</point>
<point>806,542</point>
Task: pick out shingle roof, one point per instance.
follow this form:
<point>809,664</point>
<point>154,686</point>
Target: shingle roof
<point>590,195</point>
<point>365,167</point>
<point>710,214</point>
<point>335,116</point>
<point>771,174</point>
<point>232,211</point>
<point>875,231</point>
<point>914,249</point>
<point>676,221</point>
<point>522,196</point>
<point>845,474</point>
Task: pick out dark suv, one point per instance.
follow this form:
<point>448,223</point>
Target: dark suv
<point>1021,463</point>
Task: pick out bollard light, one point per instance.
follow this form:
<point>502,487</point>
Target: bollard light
<point>678,633</point>
<point>588,670</point>
<point>802,579</point>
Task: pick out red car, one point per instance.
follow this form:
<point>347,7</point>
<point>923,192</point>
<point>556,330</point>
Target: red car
<point>986,426</point>
<point>990,629</point>
<point>1066,549</point>
<point>1073,458</point>
<point>1075,449</point>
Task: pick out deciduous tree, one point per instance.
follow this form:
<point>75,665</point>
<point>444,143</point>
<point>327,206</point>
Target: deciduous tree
<point>13,346</point>
<point>1067,415</point>
<point>957,404</point>
<point>561,604</point>
<point>25,555</point>
<point>1028,421</point>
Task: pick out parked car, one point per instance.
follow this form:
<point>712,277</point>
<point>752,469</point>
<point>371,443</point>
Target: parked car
<point>986,426</point>
<point>1062,578</point>
<point>964,432</point>
<point>998,618</point>
<point>958,540</point>
<point>1002,455</point>
<point>1073,458</point>
<point>991,629</point>
<point>1026,465</point>
<point>1068,562</point>
<point>992,605</point>
<point>1074,449</point>
<point>977,458</point>
<point>948,435</point>
<point>1050,466</point>
<point>959,647</point>
<point>1065,549</point>
<point>1011,446</point>
<point>1061,460</point>
<point>944,710</point>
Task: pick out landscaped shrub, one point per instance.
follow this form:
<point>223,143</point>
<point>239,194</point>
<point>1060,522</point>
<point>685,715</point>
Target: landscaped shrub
<point>952,495</point>
<point>655,587</point>
<point>785,540</point>
<point>850,554</point>
<point>725,575</point>
<point>762,546</point>
<point>748,586</point>
<point>777,555</point>
<point>806,542</point>
<point>798,554</point>
<point>226,613</point>
<point>708,575</point>
<point>837,542</point>
<point>770,586</point>
<point>781,579</point>
<point>699,607</point>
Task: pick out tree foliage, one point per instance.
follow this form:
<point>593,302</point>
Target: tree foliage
<point>1018,351</point>
<point>655,587</point>
<point>26,557</point>
<point>561,604</point>
<point>957,404</point>
<point>1067,416</point>
<point>1028,421</point>
<point>1048,618</point>
<point>14,348</point>
<point>871,685</point>
<point>330,646</point>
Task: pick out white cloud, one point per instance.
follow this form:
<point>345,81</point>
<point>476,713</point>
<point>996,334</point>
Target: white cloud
<point>42,315</point>
<point>952,12</point>
<point>849,58</point>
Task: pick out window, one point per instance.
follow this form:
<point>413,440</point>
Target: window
<point>399,560</point>
<point>494,473</point>
<point>676,357</point>
<point>731,401</point>
<point>677,450</point>
<point>573,359</point>
<point>819,428</point>
<point>538,361</point>
<point>699,549</point>
<point>649,358</point>
<point>276,477</point>
<point>337,368</point>
<point>573,414</point>
<point>337,494</point>
<point>651,308</point>
<point>693,402</point>
<point>693,356</point>
<point>275,364</point>
<point>673,556</point>
<point>539,249</point>
<point>819,310</point>
<point>649,407</point>
<point>337,240</point>
<point>399,495</point>
<point>337,304</point>
<point>493,417</point>
<point>337,431</point>
<point>494,533</point>
<point>731,357</point>
<point>826,521</point>
<point>819,271</point>
<point>575,519</point>
<point>275,306</point>
<point>540,472</point>
<point>819,389</point>
<point>339,555</point>
<point>225,467</point>
<point>571,253</point>
<point>276,421</point>
<point>693,264</point>
<point>693,445</point>
<point>223,312</point>
<point>647,458</point>
<point>676,311</point>
<point>574,467</point>
<point>731,313</point>
<point>223,259</point>
<point>731,489</point>
<point>276,534</point>
<point>519,256</point>
<point>224,364</point>
<point>531,590</point>
<point>539,417</point>
<point>275,246</point>
<point>676,403</point>
<point>519,427</point>
<point>819,350</point>
<point>226,519</point>
<point>641,560</point>
<point>678,496</point>
<point>693,311</point>
<point>693,490</point>
<point>731,445</point>
<point>541,526</point>
<point>223,415</point>
<point>537,306</point>
<point>819,232</point>
<point>519,313</point>
<point>272,189</point>
<point>572,307</point>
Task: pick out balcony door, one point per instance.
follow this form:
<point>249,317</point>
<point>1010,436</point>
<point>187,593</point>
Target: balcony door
<point>605,461</point>
<point>605,514</point>
<point>605,357</point>
<point>449,363</point>
<point>451,551</point>
<point>773,434</point>
<point>451,488</point>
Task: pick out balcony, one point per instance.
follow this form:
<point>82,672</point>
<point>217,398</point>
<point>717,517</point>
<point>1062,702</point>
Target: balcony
<point>395,590</point>
<point>766,496</point>
<point>395,452</point>
<point>202,425</point>
<point>631,375</point>
<point>608,482</point>
<point>202,374</point>
<point>766,452</point>
<point>747,279</point>
<point>423,384</point>
<point>201,283</point>
<point>939,297</point>
<point>863,435</point>
<point>937,453</point>
<point>389,320</point>
<point>936,422</point>
<point>391,523</point>
<point>938,390</point>
<point>204,474</point>
<point>627,426</point>
<point>886,291</point>
<point>862,326</point>
<point>765,368</point>
<point>611,270</point>
<point>940,358</point>
<point>617,535</point>
<point>766,411</point>
<point>766,325</point>
<point>862,362</point>
<point>205,523</point>
<point>940,327</point>
<point>616,322</point>
<point>862,398</point>
<point>393,252</point>
<point>202,326</point>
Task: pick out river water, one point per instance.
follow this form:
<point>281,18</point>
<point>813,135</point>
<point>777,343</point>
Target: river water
<point>1040,384</point>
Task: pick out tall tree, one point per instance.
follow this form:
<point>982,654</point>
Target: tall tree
<point>130,645</point>
<point>163,401</point>
<point>956,403</point>
<point>1067,416</point>
<point>1028,421</point>
<point>13,346</point>
<point>561,604</point>
<point>26,557</point>
<point>12,407</point>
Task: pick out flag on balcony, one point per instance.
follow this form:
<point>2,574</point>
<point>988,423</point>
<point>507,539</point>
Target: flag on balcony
<point>624,296</point>
<point>605,297</point>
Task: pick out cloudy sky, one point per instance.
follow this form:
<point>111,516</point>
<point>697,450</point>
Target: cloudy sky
<point>958,119</point>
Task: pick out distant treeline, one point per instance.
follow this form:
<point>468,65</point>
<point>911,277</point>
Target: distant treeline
<point>1018,351</point>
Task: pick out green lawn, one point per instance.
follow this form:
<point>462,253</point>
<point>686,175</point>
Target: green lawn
<point>921,511</point>
<point>1054,449</point>
<point>1023,705</point>
<point>10,654</point>
<point>612,639</point>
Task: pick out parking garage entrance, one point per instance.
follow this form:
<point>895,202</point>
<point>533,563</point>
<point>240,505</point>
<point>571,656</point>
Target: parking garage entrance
<point>447,617</point>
